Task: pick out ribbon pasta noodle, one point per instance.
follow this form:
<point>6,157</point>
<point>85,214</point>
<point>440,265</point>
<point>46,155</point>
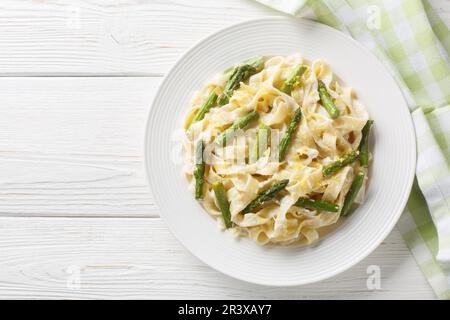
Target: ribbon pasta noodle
<point>250,117</point>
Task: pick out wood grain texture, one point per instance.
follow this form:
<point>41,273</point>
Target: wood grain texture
<point>140,259</point>
<point>74,146</point>
<point>73,194</point>
<point>56,37</point>
<point>114,37</point>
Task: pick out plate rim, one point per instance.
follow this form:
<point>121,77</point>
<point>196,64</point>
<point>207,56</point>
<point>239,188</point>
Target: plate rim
<point>396,215</point>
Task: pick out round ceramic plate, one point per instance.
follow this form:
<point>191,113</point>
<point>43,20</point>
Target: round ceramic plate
<point>392,146</point>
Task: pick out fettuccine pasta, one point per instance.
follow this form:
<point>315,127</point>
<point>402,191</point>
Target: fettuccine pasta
<point>276,148</point>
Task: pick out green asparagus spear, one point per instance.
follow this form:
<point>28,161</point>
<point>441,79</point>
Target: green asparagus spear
<point>317,205</point>
<point>293,79</point>
<point>209,103</point>
<point>333,167</point>
<point>287,137</point>
<point>353,192</point>
<point>266,195</point>
<point>364,145</point>
<point>222,202</point>
<point>239,124</point>
<point>239,74</point>
<point>199,169</point>
<point>326,100</point>
<point>261,143</point>
<point>256,62</point>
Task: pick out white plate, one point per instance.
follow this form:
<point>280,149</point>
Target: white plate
<point>391,173</point>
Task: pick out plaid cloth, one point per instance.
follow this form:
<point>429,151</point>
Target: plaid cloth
<point>414,44</point>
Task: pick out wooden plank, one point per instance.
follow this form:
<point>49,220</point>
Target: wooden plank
<point>98,37</point>
<point>74,146</point>
<point>95,37</point>
<point>138,258</point>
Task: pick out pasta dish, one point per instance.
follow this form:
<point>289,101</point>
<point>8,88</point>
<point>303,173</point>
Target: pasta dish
<point>276,148</point>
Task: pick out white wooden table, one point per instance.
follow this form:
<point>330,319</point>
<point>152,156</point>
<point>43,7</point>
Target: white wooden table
<point>76,216</point>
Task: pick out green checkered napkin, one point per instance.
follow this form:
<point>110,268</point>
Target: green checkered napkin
<point>414,44</point>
